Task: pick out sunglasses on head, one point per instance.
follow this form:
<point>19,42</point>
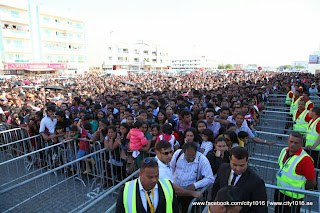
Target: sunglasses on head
<point>167,153</point>
<point>149,159</point>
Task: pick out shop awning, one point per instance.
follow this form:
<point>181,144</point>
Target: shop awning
<point>40,70</point>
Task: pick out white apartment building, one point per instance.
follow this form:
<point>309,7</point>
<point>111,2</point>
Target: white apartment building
<point>138,56</point>
<point>35,39</point>
<point>193,63</point>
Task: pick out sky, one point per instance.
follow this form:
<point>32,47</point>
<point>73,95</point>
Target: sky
<point>263,32</point>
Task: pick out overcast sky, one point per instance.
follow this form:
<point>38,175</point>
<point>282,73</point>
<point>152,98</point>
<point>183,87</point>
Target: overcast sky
<point>263,32</point>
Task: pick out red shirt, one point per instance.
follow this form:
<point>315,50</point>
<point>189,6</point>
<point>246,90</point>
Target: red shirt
<point>308,119</point>
<point>84,145</point>
<point>310,105</point>
<point>299,113</point>
<point>290,94</point>
<point>305,167</point>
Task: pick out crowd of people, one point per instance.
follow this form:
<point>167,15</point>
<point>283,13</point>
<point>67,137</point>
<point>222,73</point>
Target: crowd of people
<point>197,121</point>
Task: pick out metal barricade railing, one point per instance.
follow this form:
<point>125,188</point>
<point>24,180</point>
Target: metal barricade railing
<point>20,147</point>
<point>12,135</point>
<point>310,201</point>
<point>34,163</point>
<point>76,188</point>
<point>100,204</point>
<point>199,208</point>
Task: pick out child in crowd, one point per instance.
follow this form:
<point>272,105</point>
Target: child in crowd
<point>243,138</point>
<point>94,124</point>
<point>168,136</point>
<point>207,141</point>
<point>84,143</point>
<point>137,139</point>
<point>155,132</point>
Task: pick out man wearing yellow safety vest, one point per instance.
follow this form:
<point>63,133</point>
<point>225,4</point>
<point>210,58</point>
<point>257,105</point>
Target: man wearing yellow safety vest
<point>301,118</point>
<point>312,136</point>
<point>289,97</point>
<point>148,193</point>
<point>296,172</point>
<point>294,104</point>
<point>305,97</point>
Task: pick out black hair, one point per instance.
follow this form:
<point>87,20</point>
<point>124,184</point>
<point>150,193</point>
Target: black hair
<point>208,133</point>
<point>162,145</point>
<point>184,113</point>
<point>87,125</point>
<point>137,124</point>
<point>230,125</point>
<point>316,110</point>
<point>222,130</point>
<point>242,134</point>
<point>233,137</point>
<point>239,153</point>
<point>113,128</point>
<point>62,114</point>
<point>189,145</point>
<point>167,128</point>
<point>155,126</point>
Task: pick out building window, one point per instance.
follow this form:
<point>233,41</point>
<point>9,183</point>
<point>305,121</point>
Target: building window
<point>136,51</point>
<point>79,26</point>
<point>109,48</point>
<point>146,52</point>
<point>58,21</point>
<point>125,50</point>
<point>110,58</point>
<point>136,60</point>
<point>119,50</point>
<point>15,14</point>
<point>154,60</point>
<point>18,44</point>
<point>80,59</point>
<point>78,36</point>
<point>47,19</point>
<point>8,41</point>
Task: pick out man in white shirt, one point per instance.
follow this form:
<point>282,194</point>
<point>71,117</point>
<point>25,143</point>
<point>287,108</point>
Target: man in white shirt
<point>188,166</point>
<point>164,154</point>
<point>48,124</point>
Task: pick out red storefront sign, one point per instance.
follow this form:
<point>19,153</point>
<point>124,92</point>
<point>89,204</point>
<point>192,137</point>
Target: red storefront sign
<point>23,66</point>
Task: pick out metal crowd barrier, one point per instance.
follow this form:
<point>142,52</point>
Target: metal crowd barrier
<point>101,203</point>
<point>34,163</point>
<point>20,147</point>
<point>12,135</point>
<point>75,187</point>
<point>310,201</point>
<point>198,208</point>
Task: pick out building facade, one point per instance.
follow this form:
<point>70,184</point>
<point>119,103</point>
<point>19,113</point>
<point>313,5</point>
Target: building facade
<point>35,39</point>
<point>138,56</point>
<point>193,63</point>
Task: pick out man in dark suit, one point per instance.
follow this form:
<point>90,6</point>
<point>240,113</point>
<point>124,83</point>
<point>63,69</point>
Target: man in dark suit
<point>151,193</point>
<point>238,173</point>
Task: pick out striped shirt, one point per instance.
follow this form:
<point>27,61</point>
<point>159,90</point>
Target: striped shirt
<point>185,173</point>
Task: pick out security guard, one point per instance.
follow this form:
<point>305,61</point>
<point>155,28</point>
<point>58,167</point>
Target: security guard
<point>289,97</point>
<point>306,98</point>
<point>299,118</point>
<point>296,172</point>
<point>294,104</point>
<point>148,193</point>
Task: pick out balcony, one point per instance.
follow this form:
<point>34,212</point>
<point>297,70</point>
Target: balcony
<point>22,19</point>
<point>61,26</point>
<point>24,49</point>
<point>9,33</point>
<point>62,51</point>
